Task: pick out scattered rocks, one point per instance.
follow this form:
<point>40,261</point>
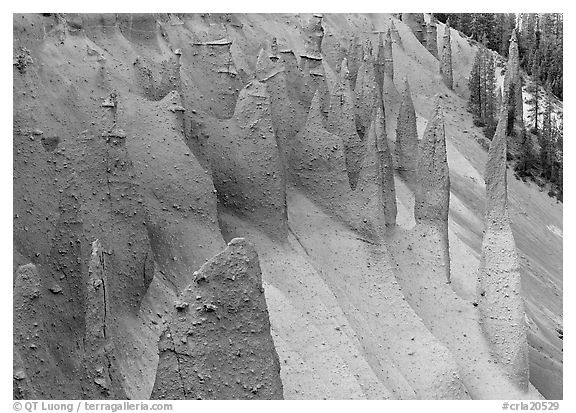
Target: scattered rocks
<point>181,305</point>
<point>22,60</point>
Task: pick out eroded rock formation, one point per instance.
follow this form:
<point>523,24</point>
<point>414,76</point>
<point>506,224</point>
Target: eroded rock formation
<point>271,72</point>
<point>213,64</point>
<point>388,56</point>
<point>415,21</point>
<point>218,344</point>
<point>332,50</point>
<point>314,79</point>
<point>394,35</point>
<point>294,85</point>
<point>139,156</point>
<point>313,35</point>
<point>432,198</point>
<point>102,377</point>
<point>366,92</point>
<point>342,122</point>
<point>376,181</point>
<point>177,190</point>
<point>318,162</point>
<point>379,66</point>
<point>246,165</point>
<point>169,77</point>
<point>384,63</point>
<point>318,155</point>
<point>36,373</point>
<point>407,137</point>
<point>139,28</point>
<point>446,58</point>
<point>355,57</point>
<point>392,101</point>
<point>431,37</point>
<point>512,97</point>
<point>499,296</point>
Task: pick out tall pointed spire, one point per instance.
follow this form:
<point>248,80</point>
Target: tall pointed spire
<point>496,177</point>
<point>270,71</point>
<point>388,56</point>
<point>314,33</point>
<point>355,58</point>
<point>332,52</point>
<point>386,168</point>
<point>262,194</point>
<point>431,35</point>
<point>366,92</point>
<point>266,67</point>
<point>341,122</point>
<point>379,66</point>
<point>99,347</point>
<point>446,58</point>
<point>499,297</point>
<point>30,332</point>
<point>317,159</point>
<point>407,136</point>
<point>512,96</point>
<point>274,52</point>
<point>392,100</point>
<point>376,181</point>
<point>192,362</point>
<point>394,34</point>
<point>432,198</point>
<point>414,21</point>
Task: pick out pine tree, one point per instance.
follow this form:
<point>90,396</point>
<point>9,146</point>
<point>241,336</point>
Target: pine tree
<point>559,153</point>
<point>540,40</point>
<point>498,100</point>
<point>536,52</point>
<point>526,39</point>
<point>513,94</point>
<point>535,105</point>
<point>474,86</point>
<point>527,159</point>
<point>490,85</point>
<point>505,22</point>
<point>546,141</point>
<point>481,84</point>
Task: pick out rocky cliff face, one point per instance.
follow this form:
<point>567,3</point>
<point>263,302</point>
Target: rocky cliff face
<point>228,206</point>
